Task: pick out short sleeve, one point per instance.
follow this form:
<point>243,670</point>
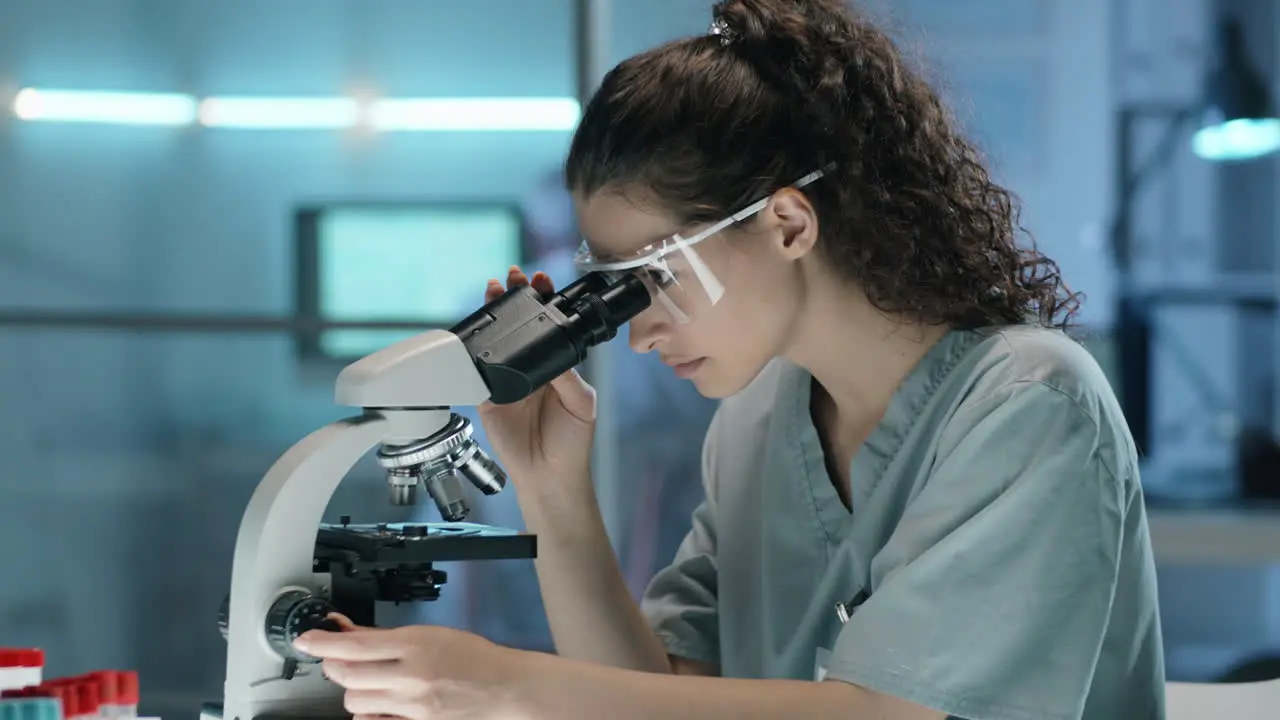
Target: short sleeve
<point>681,602</point>
<point>995,588</point>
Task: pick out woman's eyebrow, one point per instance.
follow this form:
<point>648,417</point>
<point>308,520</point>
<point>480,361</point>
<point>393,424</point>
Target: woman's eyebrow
<point>594,248</point>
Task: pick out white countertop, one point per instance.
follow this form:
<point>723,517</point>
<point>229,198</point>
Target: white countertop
<point>1195,536</point>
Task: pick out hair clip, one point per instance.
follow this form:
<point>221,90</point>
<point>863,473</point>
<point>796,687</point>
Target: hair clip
<point>721,28</point>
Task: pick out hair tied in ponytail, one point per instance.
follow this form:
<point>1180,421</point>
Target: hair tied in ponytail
<point>721,29</point>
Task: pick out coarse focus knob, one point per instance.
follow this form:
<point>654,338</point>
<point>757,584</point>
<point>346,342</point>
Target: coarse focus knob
<point>292,614</point>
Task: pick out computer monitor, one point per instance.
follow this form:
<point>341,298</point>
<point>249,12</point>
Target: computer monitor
<point>397,262</point>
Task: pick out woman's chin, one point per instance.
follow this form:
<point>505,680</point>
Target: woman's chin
<point>716,382</point>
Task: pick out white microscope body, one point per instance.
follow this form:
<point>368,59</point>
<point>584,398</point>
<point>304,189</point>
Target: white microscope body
<point>503,352</point>
<point>406,391</point>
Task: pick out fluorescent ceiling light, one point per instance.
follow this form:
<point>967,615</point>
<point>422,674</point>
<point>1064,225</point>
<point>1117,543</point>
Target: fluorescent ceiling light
<point>494,114</point>
<point>116,108</point>
<point>268,113</point>
<point>474,114</point>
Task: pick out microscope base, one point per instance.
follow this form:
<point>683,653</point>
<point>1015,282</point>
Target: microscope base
<point>213,711</point>
<point>391,562</point>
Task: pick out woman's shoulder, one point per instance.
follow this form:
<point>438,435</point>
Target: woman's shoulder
<point>1025,368</point>
<point>1006,358</point>
<point>1033,396</point>
<point>976,364</point>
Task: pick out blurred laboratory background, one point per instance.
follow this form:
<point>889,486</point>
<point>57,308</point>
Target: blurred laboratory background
<point>207,209</point>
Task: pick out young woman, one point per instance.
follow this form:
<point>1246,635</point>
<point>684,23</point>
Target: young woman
<point>921,496</point>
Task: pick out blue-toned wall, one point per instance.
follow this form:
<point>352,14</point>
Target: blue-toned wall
<point>127,458</point>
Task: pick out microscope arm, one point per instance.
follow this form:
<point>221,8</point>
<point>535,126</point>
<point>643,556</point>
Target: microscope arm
<point>272,575</point>
<point>503,352</point>
<point>273,560</point>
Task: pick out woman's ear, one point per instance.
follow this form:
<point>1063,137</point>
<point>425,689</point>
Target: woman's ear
<point>793,221</point>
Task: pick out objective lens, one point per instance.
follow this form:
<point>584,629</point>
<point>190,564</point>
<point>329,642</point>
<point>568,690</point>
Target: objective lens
<point>483,472</point>
<point>443,487</point>
<point>438,461</point>
<point>403,483</point>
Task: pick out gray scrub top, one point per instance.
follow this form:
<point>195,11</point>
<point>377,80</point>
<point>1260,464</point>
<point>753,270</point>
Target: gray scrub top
<point>996,561</point>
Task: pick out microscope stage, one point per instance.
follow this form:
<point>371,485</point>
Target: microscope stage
<point>424,542</point>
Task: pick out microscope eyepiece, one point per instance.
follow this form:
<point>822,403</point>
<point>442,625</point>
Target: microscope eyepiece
<point>519,342</point>
<point>596,316</point>
<point>524,340</point>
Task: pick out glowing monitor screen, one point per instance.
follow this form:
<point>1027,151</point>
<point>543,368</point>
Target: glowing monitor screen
<point>399,263</point>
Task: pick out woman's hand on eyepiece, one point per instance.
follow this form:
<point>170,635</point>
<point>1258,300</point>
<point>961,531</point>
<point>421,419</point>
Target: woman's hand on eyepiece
<point>548,434</point>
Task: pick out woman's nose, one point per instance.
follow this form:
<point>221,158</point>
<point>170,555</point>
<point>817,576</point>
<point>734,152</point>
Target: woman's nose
<point>647,329</point>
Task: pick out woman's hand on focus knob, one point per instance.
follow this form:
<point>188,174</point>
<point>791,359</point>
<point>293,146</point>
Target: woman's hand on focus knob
<point>419,672</point>
<point>549,433</point>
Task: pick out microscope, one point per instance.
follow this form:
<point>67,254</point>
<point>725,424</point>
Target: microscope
<point>290,570</point>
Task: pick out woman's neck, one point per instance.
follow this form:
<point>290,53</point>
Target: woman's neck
<point>858,354</point>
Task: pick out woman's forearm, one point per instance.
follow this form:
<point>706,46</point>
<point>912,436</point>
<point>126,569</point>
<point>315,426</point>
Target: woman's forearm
<point>563,689</point>
<point>589,608</point>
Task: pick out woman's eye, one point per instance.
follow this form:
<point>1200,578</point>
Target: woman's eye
<point>661,277</point>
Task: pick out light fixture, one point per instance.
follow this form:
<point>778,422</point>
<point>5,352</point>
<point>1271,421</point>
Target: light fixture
<point>494,114</point>
<point>1238,121</point>
<point>283,113</point>
<point>114,108</point>
<point>483,114</point>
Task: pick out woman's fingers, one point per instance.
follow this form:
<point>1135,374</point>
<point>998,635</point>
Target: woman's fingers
<point>492,291</point>
<point>517,278</point>
<point>542,283</point>
<point>344,622</point>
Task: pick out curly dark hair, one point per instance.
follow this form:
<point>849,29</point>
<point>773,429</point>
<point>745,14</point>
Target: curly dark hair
<point>908,210</point>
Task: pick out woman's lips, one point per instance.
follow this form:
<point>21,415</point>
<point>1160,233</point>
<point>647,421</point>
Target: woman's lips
<point>686,370</point>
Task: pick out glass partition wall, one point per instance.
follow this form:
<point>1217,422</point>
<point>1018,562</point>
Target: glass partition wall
<point>203,216</point>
